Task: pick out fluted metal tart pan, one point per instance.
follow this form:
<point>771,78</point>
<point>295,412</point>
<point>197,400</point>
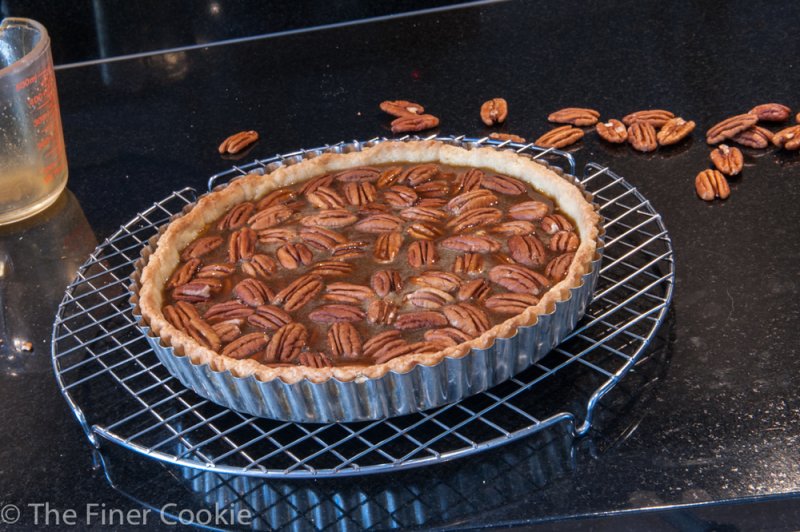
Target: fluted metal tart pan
<point>395,393</point>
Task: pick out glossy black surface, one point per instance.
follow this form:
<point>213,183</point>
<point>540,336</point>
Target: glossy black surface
<point>718,420</point>
<point>102,29</point>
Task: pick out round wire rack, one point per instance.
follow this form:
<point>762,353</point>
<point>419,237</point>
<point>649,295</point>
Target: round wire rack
<point>121,393</point>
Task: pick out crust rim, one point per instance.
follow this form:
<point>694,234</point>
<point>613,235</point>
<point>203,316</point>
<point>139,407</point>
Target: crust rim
<point>182,230</point>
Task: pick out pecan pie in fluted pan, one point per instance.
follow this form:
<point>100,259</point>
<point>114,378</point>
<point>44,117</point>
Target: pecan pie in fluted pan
<point>371,283</point>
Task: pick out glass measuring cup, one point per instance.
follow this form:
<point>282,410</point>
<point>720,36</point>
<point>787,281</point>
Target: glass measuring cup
<point>33,162</point>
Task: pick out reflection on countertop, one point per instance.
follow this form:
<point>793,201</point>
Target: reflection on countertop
<point>38,258</point>
<point>483,489</point>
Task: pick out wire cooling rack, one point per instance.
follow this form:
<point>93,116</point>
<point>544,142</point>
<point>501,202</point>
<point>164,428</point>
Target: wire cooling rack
<point>121,393</point>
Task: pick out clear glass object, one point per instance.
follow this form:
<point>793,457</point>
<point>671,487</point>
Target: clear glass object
<point>33,162</point>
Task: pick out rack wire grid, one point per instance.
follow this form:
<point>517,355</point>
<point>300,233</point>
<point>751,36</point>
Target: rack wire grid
<point>121,393</point>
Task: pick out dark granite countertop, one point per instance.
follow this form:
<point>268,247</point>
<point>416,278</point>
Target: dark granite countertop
<point>706,431</point>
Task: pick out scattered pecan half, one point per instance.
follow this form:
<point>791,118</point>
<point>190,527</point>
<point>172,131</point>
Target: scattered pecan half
<point>612,131</point>
<point>788,139</point>
<point>494,111</point>
<point>771,112</point>
<point>711,184</point>
<point>400,108</point>
<point>507,137</point>
<point>728,160</point>
<point>238,142</point>
<point>411,123</point>
<point>754,137</point>
<point>730,127</point>
<point>654,117</point>
<point>560,137</point>
<point>577,116</point>
<point>642,136</point>
<point>674,130</point>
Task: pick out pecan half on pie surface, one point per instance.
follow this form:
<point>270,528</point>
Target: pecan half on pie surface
<point>351,265</point>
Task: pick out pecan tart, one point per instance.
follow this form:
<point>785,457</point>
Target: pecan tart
<point>348,266</point>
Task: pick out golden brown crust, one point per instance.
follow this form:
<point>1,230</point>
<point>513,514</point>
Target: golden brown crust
<point>210,207</point>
